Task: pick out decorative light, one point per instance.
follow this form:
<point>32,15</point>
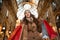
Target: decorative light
<point>47,13</point>
<point>3,28</point>
<point>36,2</point>
<point>57,17</point>
<point>9,31</point>
<point>54,4</point>
<point>7,13</point>
<point>27,6</point>
<point>34,12</point>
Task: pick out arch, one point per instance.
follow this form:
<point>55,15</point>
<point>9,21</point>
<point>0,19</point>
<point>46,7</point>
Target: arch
<point>26,6</point>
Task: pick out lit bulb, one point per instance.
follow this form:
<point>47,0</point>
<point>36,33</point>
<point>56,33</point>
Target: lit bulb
<point>9,31</point>
<point>57,17</point>
<point>3,28</point>
<point>27,6</point>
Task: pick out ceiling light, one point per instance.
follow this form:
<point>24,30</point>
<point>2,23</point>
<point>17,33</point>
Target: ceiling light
<point>27,6</point>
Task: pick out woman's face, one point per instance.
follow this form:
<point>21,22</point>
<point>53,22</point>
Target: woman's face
<point>27,14</point>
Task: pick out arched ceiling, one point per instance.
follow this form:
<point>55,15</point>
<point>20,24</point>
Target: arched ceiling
<point>12,7</point>
<point>27,5</point>
<point>55,3</point>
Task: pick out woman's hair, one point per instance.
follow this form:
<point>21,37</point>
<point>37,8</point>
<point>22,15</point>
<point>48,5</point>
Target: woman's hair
<point>34,20</point>
<point>26,21</point>
<point>28,11</point>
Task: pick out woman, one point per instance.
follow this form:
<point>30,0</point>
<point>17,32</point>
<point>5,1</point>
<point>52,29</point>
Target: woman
<point>30,27</point>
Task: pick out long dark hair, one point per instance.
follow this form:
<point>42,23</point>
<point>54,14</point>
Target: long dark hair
<point>34,19</point>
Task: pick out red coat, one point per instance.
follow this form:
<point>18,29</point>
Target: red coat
<point>16,35</point>
<point>51,32</point>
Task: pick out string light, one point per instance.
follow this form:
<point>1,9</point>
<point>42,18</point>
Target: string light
<point>27,6</point>
<point>57,17</point>
<point>3,28</point>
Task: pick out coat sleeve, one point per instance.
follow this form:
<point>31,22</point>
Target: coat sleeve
<point>49,29</point>
<point>16,34</point>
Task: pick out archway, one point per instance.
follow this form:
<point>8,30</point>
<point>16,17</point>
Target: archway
<point>26,6</point>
